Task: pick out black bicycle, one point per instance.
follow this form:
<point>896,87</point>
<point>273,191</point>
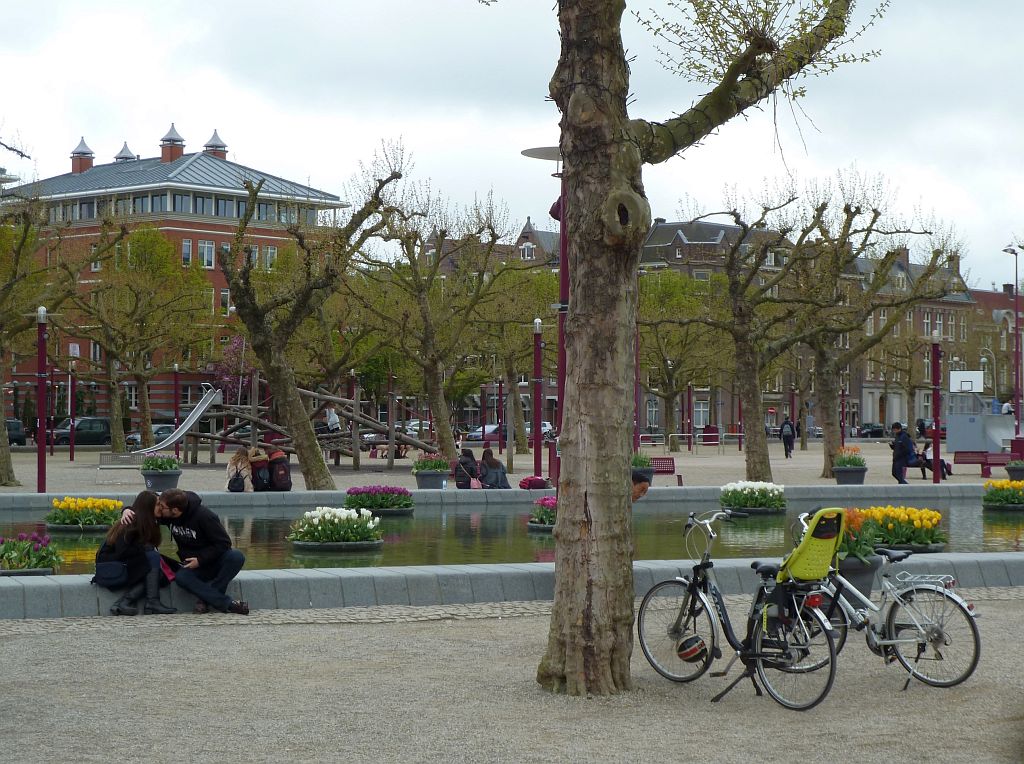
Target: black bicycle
<point>788,643</point>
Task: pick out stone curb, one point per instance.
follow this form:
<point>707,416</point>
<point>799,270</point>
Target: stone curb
<point>73,595</point>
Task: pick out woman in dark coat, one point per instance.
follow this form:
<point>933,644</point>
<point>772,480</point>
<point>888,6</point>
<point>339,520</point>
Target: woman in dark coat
<point>492,471</point>
<point>135,544</point>
<point>466,469</point>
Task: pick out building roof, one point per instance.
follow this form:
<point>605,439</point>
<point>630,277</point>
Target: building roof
<point>172,136</point>
<point>82,149</point>
<point>215,142</point>
<point>125,154</point>
<point>200,171</point>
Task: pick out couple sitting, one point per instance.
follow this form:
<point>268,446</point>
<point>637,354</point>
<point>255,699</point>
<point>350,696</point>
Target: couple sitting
<point>207,564</point>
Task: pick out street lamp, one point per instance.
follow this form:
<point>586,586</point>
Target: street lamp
<point>1012,250</point>
<point>554,154</point>
<point>538,437</point>
<point>41,337</point>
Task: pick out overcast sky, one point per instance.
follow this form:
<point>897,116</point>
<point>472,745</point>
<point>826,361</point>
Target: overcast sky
<point>307,90</point>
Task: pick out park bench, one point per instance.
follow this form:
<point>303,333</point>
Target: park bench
<point>986,459</point>
<point>111,461</point>
<point>665,465</point>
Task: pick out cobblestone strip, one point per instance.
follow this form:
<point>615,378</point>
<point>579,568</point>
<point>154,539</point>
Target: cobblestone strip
<point>367,615</point>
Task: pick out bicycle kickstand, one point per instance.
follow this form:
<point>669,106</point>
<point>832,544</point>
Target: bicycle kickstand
<point>747,672</point>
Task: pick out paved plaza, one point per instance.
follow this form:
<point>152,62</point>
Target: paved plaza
<point>706,466</point>
<point>456,684</point>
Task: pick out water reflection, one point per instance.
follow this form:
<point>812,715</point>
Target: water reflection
<point>451,537</point>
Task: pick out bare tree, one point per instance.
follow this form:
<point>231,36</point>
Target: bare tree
<point>746,55</point>
<point>273,308</point>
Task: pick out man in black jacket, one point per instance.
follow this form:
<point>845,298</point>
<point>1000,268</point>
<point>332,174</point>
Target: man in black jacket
<point>903,453</point>
<point>208,562</point>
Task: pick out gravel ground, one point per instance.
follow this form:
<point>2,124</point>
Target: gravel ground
<point>457,684</point>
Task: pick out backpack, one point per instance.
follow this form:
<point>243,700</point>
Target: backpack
<point>787,429</point>
<point>534,482</point>
<point>280,471</point>
<point>236,483</point>
<point>260,470</point>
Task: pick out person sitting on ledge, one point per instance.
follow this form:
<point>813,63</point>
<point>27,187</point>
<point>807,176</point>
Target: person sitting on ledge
<point>640,485</point>
<point>208,562</point>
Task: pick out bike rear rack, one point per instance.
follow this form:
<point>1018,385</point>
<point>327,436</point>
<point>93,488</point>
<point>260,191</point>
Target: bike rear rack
<point>942,580</point>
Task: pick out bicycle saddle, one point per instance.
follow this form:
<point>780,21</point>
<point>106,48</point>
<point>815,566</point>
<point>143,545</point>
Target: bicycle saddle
<point>894,555</point>
<point>765,569</point>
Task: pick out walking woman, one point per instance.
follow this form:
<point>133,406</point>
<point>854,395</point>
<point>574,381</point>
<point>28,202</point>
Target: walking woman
<point>135,544</point>
<point>492,471</point>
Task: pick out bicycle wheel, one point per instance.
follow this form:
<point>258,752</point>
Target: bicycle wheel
<point>677,633</point>
<point>938,640</point>
<point>795,660</point>
<point>838,618</point>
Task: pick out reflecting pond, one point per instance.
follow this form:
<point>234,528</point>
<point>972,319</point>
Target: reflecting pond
<point>434,536</point>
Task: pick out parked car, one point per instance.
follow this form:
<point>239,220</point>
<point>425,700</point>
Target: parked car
<point>872,430</point>
<point>89,431</point>
<point>160,431</point>
<point>929,429</point>
<point>483,434</point>
<point>15,432</point>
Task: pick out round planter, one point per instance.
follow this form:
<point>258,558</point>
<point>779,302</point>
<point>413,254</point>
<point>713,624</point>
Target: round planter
<point>758,510</point>
<point>435,479</point>
<point>1015,473</point>
<point>1003,507</point>
<point>860,575</point>
<point>915,548</point>
<point>28,572</point>
<point>337,546</point>
<point>648,472</point>
<point>161,480</point>
<point>389,511</point>
<point>77,528</point>
<point>849,475</point>
<point>540,527</point>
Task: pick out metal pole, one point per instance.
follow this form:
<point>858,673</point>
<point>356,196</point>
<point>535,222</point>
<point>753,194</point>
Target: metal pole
<point>1016,348</point>
<point>498,417</point>
<point>842,417</point>
<point>636,389</point>
<point>72,408</point>
<point>41,337</point>
<point>538,437</point>
<point>689,416</point>
<point>177,409</point>
<point>936,406</point>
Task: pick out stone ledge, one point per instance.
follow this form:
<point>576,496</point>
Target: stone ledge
<point>73,595</point>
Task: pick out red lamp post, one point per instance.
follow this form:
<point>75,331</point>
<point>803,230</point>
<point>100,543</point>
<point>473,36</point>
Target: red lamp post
<point>41,336</point>
<point>538,437</point>
<point>72,408</point>
<point>936,407</point>
<point>1018,443</point>
<point>498,412</point>
<point>842,417</point>
<point>177,409</point>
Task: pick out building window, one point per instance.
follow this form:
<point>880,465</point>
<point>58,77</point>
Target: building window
<point>186,252</point>
<point>131,395</point>
<point>225,207</point>
<point>206,253</point>
<point>254,255</point>
<point>701,411</point>
<point>225,301</point>
<point>87,209</point>
<point>158,203</point>
<point>927,323</point>
<point>95,266</point>
<point>938,323</point>
<point>264,210</point>
<point>679,253</point>
<point>242,205</point>
<point>309,215</point>
<point>652,413</point>
<point>286,213</point>
<point>702,275</point>
<point>203,205</point>
<point>140,205</point>
<point>963,328</point>
<point>124,206</point>
<point>869,325</point>
<point>527,251</point>
<point>1002,338</point>
<point>901,281</point>
<point>269,255</point>
<point>182,203</point>
<point>185,394</point>
<point>952,326</point>
<point>95,352</point>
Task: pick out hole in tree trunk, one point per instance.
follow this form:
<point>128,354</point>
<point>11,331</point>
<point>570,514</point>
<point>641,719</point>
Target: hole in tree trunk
<point>623,215</point>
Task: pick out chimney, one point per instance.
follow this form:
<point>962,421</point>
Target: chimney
<point>954,263</point>
<point>659,221</point>
<point>215,147</point>
<point>1008,290</point>
<point>81,158</point>
<point>124,155</point>
<point>172,146</point>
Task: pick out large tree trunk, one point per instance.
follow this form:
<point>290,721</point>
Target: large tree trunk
<point>7,477</point>
<point>590,640</point>
<point>518,418</point>
<point>432,382</point>
<point>116,406</point>
<point>748,382</point>
<point>145,411</point>
<point>283,387</point>
<point>826,376</point>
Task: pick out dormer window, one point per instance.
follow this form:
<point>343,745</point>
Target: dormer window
<point>901,281</point>
<point>527,251</point>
